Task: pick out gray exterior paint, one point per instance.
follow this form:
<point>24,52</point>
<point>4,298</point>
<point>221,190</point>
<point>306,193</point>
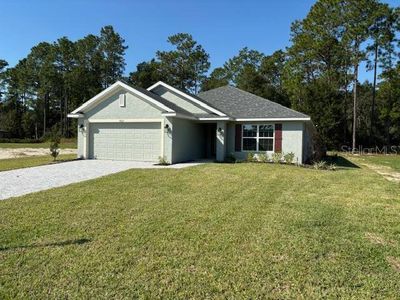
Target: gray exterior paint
<point>240,104</point>
<point>125,141</point>
<point>126,133</point>
<point>292,139</point>
<point>188,141</point>
<point>135,108</point>
<point>179,101</point>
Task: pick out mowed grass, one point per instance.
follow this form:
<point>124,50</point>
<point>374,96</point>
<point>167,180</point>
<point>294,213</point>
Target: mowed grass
<point>392,161</point>
<point>65,144</point>
<point>239,231</point>
<point>32,161</point>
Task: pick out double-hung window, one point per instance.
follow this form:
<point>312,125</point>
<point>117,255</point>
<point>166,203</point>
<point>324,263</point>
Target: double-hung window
<point>257,137</point>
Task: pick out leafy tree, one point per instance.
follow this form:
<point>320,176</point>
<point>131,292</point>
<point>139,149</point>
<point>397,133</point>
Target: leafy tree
<point>245,57</point>
<point>217,78</point>
<point>358,17</point>
<point>146,74</point>
<point>383,36</point>
<point>186,66</point>
<point>112,47</point>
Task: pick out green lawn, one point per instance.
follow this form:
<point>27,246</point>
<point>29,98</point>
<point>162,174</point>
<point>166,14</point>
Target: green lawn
<point>214,231</point>
<point>32,161</point>
<point>392,161</point>
<point>65,143</point>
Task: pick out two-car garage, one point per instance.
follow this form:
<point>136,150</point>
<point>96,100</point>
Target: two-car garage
<point>125,141</point>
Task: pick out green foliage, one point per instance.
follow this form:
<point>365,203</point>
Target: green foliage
<point>186,66</point>
<point>162,161</point>
<point>251,157</point>
<point>277,157</point>
<point>263,157</point>
<point>146,74</point>
<point>54,79</point>
<point>289,158</point>
<point>55,140</point>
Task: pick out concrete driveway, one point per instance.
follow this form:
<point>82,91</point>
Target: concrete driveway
<point>28,180</point>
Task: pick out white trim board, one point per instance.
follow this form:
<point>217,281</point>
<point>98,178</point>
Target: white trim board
<point>92,102</point>
<point>187,96</point>
<point>270,119</point>
<point>125,120</point>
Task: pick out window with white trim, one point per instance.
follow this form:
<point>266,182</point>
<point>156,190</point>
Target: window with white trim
<point>257,137</point>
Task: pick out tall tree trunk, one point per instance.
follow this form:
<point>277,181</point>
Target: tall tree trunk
<point>355,105</point>
<point>372,129</point>
<point>44,114</point>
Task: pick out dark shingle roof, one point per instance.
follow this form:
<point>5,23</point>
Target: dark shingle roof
<point>241,104</point>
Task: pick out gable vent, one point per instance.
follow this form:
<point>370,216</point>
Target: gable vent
<point>122,100</point>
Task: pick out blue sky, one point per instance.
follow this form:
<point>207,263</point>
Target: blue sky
<point>222,27</point>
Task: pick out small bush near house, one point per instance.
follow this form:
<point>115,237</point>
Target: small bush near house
<point>230,158</point>
<point>276,157</point>
<point>289,157</point>
<point>162,160</point>
<point>323,165</point>
<point>263,157</point>
<point>55,140</point>
<point>251,157</point>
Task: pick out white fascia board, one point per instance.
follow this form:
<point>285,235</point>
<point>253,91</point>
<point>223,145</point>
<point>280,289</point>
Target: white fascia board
<point>215,119</point>
<point>124,120</point>
<point>75,116</point>
<point>271,119</point>
<point>201,103</point>
<point>92,101</point>
<point>180,116</point>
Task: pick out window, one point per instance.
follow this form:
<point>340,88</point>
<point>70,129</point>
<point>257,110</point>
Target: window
<point>258,137</point>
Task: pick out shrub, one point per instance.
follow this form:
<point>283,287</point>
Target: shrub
<point>332,167</point>
<point>276,157</point>
<point>251,157</point>
<point>289,157</point>
<point>263,157</point>
<point>230,158</point>
<point>162,160</point>
<point>55,139</point>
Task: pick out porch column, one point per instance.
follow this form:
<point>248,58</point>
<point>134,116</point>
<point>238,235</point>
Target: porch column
<point>221,140</point>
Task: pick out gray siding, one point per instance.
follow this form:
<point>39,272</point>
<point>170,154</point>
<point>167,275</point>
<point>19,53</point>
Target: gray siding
<point>179,100</point>
<point>292,139</point>
<point>188,141</point>
<point>135,108</point>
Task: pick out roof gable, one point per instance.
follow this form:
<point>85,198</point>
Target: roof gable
<point>113,88</point>
<point>188,97</point>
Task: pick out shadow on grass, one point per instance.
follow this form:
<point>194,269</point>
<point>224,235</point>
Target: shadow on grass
<point>340,162</point>
<point>55,244</point>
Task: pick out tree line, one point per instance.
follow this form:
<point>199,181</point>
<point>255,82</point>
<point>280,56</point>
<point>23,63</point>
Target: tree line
<point>318,74</point>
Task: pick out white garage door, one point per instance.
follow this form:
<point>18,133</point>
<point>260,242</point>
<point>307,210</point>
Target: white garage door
<point>125,141</point>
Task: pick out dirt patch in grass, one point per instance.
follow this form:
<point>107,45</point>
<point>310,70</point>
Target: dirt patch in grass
<point>394,263</point>
<point>378,240</point>
<point>6,153</point>
<point>387,172</point>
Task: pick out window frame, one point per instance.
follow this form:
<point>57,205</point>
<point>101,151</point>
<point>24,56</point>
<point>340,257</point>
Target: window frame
<point>257,138</point>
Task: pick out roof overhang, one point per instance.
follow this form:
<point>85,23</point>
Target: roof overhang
<point>188,97</point>
<point>271,119</point>
<point>75,116</point>
<point>99,97</point>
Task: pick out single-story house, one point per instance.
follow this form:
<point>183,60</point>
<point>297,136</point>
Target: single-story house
<point>124,122</point>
